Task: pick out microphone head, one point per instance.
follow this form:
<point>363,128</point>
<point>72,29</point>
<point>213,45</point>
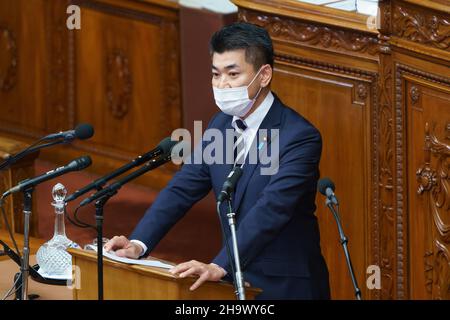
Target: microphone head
<point>233,178</point>
<point>84,131</point>
<point>80,163</point>
<point>324,184</point>
<point>230,184</point>
<point>166,145</point>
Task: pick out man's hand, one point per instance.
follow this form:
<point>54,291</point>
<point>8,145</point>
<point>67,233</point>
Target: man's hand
<point>124,247</point>
<point>206,272</point>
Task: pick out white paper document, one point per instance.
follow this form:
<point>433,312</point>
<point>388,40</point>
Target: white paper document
<point>150,263</point>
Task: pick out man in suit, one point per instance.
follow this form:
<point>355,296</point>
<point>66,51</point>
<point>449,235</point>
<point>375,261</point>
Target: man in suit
<point>277,230</point>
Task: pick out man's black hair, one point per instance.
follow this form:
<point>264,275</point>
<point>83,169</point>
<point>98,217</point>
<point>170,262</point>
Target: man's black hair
<point>242,35</point>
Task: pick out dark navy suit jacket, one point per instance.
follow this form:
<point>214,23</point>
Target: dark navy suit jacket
<point>277,230</point>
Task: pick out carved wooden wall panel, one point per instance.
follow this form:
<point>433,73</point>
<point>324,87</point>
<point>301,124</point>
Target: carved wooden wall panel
<point>21,52</point>
<point>119,72</point>
<point>421,30</point>
<point>418,39</point>
<point>338,108</point>
<point>127,84</point>
<point>427,101</point>
<point>60,83</point>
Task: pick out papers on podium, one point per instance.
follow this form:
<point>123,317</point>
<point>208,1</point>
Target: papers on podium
<point>144,262</point>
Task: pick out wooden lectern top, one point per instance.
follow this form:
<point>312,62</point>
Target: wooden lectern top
<point>137,282</point>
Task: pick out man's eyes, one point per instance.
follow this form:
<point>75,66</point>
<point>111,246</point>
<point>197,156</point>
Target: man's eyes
<point>231,74</point>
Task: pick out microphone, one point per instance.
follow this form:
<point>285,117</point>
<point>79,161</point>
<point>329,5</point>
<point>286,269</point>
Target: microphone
<point>82,131</point>
<point>326,187</point>
<point>230,184</point>
<point>74,165</point>
<point>152,164</point>
<point>163,147</point>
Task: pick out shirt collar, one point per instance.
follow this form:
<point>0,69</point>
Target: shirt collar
<point>254,120</point>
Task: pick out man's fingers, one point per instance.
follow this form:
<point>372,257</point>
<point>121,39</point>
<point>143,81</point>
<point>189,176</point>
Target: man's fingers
<point>179,268</point>
<point>116,243</point>
<point>199,281</point>
<point>204,271</point>
<point>122,253</point>
<point>109,245</point>
<point>183,267</point>
<point>191,271</point>
<point>129,252</point>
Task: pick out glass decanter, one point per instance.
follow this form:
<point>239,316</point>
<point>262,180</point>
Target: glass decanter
<point>52,257</point>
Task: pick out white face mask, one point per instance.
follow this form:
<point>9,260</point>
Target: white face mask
<point>235,101</point>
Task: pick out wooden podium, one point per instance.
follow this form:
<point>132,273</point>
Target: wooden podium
<point>136,282</point>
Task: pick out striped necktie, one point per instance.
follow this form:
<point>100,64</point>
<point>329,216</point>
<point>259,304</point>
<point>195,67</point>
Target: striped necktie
<point>239,144</point>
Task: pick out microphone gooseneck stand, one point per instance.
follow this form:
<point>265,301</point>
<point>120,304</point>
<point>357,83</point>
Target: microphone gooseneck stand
<point>227,246</point>
<point>239,276</point>
<point>99,204</point>
<point>13,159</point>
<point>227,189</point>
<point>24,269</point>
<point>344,241</point>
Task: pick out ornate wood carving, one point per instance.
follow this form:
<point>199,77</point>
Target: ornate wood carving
<point>335,68</point>
<point>384,241</point>
<point>8,59</point>
<point>400,218</point>
<point>375,217</point>
<point>424,27</point>
<point>361,91</point>
<point>425,175</point>
<point>360,94</point>
<point>414,94</point>
<point>434,183</point>
<point>316,35</point>
<point>118,84</point>
<point>384,203</point>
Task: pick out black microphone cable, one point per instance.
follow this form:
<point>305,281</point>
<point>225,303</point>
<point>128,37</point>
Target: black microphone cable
<point>76,221</point>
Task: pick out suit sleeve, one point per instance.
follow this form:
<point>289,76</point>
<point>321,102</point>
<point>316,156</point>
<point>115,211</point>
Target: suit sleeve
<point>279,201</point>
<point>188,186</point>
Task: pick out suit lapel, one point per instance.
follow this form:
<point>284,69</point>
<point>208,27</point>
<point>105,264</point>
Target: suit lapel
<point>271,121</point>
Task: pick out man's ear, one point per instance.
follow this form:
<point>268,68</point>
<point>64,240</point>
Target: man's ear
<point>266,74</point>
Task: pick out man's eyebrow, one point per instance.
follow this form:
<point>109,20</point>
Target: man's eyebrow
<point>231,66</point>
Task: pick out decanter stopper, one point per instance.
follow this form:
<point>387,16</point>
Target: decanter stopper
<point>59,193</point>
